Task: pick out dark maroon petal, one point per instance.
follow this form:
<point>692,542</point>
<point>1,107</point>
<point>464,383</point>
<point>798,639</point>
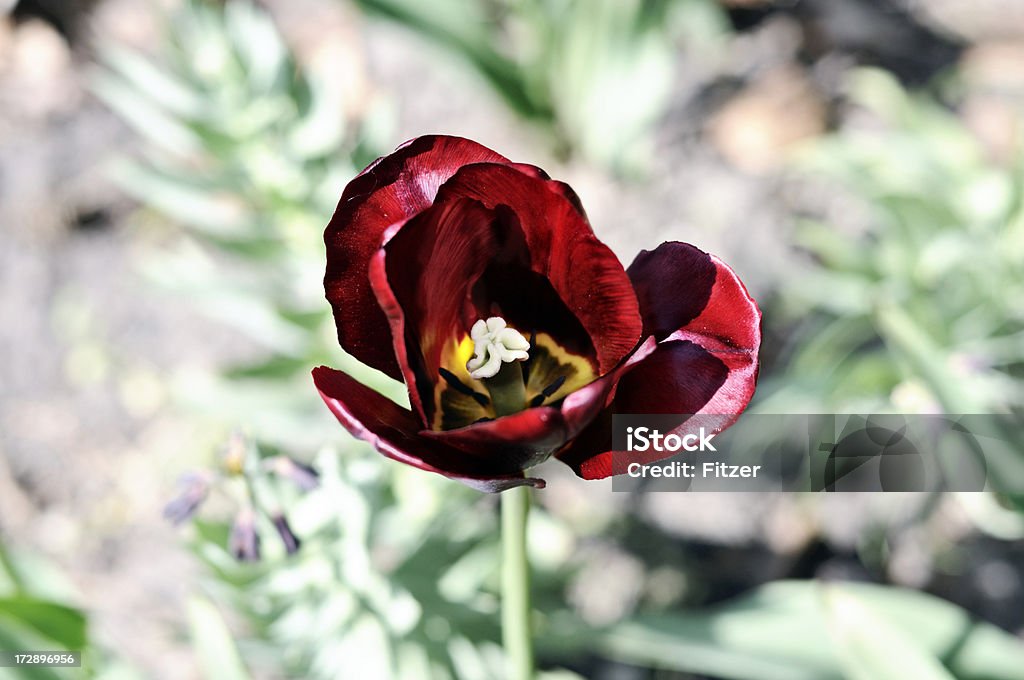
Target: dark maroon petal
<point>421,278</point>
<point>389,191</point>
<point>679,377</point>
<point>526,438</point>
<point>673,284</point>
<point>707,366</point>
<point>680,286</point>
<point>583,405</point>
<point>451,265</point>
<point>563,249</point>
<point>393,431</point>
<point>556,186</point>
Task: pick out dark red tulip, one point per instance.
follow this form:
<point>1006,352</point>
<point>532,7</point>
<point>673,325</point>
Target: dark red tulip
<point>480,284</point>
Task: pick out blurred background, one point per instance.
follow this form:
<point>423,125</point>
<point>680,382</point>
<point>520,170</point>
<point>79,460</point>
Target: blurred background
<point>166,171</point>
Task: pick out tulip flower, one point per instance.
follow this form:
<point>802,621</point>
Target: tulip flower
<point>480,284</point>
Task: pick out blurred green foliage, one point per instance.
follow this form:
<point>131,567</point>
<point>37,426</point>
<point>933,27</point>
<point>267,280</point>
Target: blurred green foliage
<point>245,153</point>
<point>805,630</point>
<point>35,616</point>
<point>397,578</point>
<point>910,298</point>
<point>594,75</point>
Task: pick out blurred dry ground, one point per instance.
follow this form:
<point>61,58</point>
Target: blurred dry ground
<point>90,443</point>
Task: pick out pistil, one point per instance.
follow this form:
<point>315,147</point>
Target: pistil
<point>508,393</point>
<point>497,355</point>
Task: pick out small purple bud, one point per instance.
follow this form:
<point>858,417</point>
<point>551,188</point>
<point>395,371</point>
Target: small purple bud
<point>194,487</point>
<point>244,542</point>
<point>291,542</point>
<point>302,475</point>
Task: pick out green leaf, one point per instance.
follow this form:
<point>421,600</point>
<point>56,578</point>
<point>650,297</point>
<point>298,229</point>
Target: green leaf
<point>781,631</point>
<point>446,24</point>
<point>214,644</point>
<point>62,624</point>
<point>199,206</point>
<point>8,641</point>
<point>969,648</point>
<point>156,84</point>
<point>871,648</point>
<point>258,43</point>
<point>159,127</point>
<point>10,575</point>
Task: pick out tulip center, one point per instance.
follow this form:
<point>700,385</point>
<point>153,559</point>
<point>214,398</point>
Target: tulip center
<point>497,351</point>
<point>495,370</point>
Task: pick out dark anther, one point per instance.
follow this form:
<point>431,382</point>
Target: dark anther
<point>456,384</point>
<point>483,420</point>
<point>553,387</point>
<point>547,391</point>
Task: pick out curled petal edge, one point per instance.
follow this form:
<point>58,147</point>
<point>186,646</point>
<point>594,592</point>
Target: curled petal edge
<point>391,430</point>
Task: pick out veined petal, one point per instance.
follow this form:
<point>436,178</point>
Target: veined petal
<point>422,278</point>
<point>389,191</point>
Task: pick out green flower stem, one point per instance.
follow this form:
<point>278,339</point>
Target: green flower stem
<point>515,586</point>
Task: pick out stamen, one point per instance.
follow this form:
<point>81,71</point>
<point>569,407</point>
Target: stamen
<point>459,386</point>
<point>494,344</point>
<point>553,387</point>
<point>547,391</point>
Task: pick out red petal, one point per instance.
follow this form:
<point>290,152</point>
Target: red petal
<point>678,378</point>
<point>558,187</point>
<point>422,278</point>
<point>392,189</point>
<point>527,438</point>
<point>563,249</point>
<point>392,430</point>
<point>583,405</point>
<point>453,264</point>
<point>680,286</point>
<point>706,366</point>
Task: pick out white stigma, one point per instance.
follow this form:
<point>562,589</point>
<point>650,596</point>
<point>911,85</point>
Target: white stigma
<point>494,343</point>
